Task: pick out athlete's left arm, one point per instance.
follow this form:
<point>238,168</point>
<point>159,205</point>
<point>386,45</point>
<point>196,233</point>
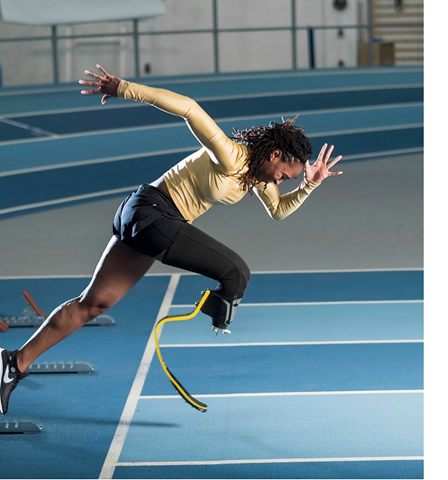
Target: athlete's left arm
<point>221,149</point>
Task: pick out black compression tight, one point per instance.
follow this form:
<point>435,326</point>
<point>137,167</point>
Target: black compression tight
<point>195,251</point>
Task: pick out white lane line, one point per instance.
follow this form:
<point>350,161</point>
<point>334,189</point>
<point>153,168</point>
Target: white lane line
<point>271,460</point>
<point>228,96</point>
<point>88,276</point>
<point>256,272</point>
<point>68,200</point>
<point>136,389</point>
<point>25,126</point>
<point>282,344</point>
<point>289,394</point>
<point>340,270</point>
<point>299,304</point>
<point>96,161</point>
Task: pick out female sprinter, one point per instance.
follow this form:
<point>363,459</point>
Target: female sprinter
<point>155,222</point>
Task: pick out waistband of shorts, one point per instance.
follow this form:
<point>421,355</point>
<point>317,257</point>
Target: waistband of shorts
<point>163,199</point>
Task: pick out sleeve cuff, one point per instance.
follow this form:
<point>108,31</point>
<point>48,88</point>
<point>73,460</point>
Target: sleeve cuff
<point>311,183</point>
<point>122,87</point>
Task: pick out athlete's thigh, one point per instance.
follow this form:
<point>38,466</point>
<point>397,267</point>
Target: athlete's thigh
<point>118,270</point>
<point>196,251</point>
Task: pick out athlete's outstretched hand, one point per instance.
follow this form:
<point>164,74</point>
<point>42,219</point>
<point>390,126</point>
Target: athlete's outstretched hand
<point>105,84</point>
<point>319,170</point>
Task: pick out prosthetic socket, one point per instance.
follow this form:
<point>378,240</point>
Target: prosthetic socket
<point>221,310</point>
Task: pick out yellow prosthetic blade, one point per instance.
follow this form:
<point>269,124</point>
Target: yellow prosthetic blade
<point>177,385</point>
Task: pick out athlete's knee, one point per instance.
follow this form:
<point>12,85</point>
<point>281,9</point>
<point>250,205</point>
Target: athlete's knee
<point>235,281</point>
<point>92,306</point>
<point>243,275</point>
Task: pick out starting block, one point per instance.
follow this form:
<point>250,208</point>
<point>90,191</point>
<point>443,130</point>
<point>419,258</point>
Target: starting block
<point>60,367</point>
<point>101,321</point>
<point>20,426</point>
<point>33,316</point>
<point>27,319</point>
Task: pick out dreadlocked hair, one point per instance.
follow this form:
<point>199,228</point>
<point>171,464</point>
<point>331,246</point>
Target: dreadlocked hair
<point>262,141</point>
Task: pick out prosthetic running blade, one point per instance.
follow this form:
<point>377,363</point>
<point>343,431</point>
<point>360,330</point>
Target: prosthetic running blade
<point>177,385</point>
<point>202,407</point>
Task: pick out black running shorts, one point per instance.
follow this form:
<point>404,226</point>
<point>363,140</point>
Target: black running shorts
<point>151,223</point>
<point>148,221</point>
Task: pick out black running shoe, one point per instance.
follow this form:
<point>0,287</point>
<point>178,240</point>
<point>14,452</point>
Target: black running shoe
<point>10,377</point>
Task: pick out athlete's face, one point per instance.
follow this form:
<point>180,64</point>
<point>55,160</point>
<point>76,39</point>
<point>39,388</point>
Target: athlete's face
<point>275,170</point>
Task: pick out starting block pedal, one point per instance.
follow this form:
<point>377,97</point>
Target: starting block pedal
<point>60,367</point>
<point>20,426</point>
<point>33,316</point>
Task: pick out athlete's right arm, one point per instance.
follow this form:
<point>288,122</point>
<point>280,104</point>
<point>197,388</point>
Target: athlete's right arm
<point>220,148</point>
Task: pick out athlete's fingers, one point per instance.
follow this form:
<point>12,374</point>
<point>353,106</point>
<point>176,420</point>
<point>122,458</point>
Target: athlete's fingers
<point>90,83</point>
<point>328,154</point>
<point>322,151</point>
<point>98,87</point>
<point>103,71</point>
<point>94,75</point>
<point>321,154</point>
<point>334,161</point>
<point>92,92</point>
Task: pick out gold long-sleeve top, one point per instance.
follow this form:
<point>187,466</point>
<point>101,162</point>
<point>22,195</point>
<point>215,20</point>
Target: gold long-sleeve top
<point>210,175</point>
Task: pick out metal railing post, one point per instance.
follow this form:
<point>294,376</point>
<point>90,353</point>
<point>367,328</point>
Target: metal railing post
<point>311,59</point>
<point>370,32</point>
<point>293,35</point>
<point>54,51</point>
<point>215,36</point>
<point>136,48</point>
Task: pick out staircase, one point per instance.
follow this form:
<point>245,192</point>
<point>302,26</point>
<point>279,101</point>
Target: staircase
<point>407,40</point>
